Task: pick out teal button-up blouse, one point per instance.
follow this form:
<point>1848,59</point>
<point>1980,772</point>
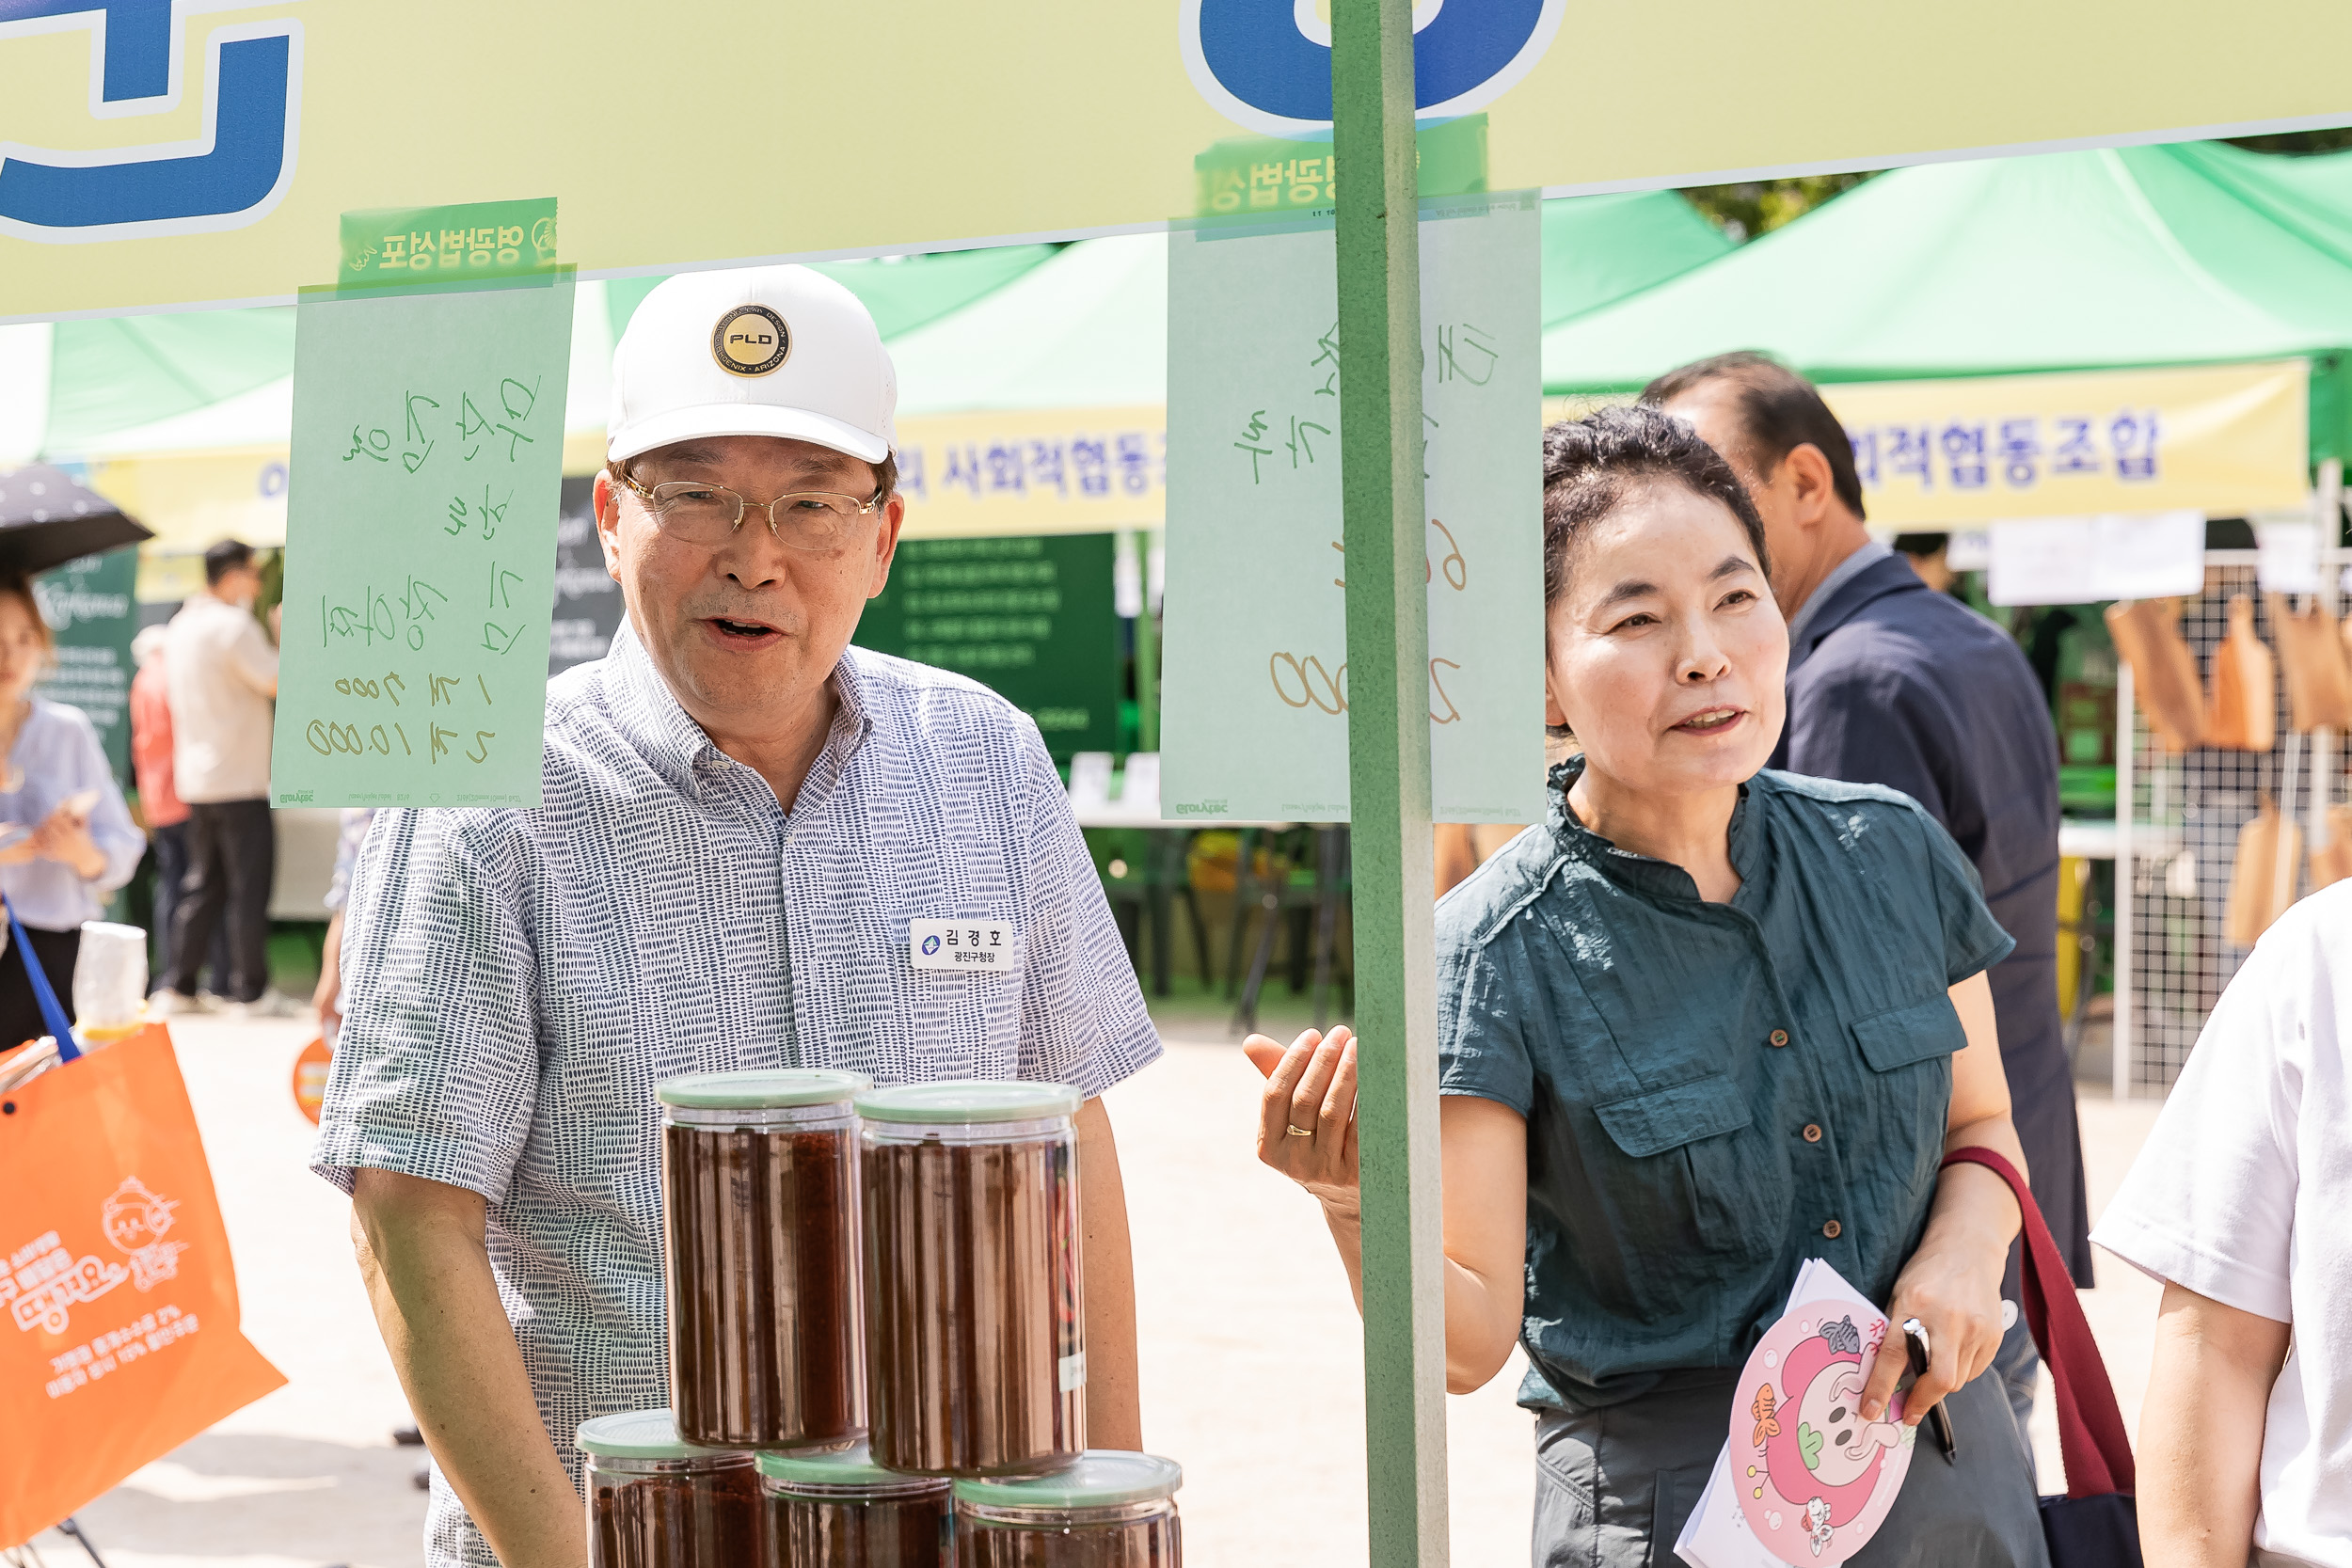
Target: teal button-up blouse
<point>1714,1092</point>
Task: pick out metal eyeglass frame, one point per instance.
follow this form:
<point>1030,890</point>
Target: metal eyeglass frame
<point>743,504</point>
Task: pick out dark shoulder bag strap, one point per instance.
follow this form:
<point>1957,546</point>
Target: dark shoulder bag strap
<point>2098,1454</point>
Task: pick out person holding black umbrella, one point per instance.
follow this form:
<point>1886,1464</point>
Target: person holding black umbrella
<point>67,840</point>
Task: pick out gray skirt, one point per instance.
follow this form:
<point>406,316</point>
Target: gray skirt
<point>1614,1485</point>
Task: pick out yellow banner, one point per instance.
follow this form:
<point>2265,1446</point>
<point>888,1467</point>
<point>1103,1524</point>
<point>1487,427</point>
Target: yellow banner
<point>191,499</point>
<point>1033,471</point>
<point>202,152</point>
<point>2221,439</point>
<point>2215,438</point>
<point>968,476</point>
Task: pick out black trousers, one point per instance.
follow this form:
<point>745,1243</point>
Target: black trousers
<point>19,1015</point>
<point>232,858</point>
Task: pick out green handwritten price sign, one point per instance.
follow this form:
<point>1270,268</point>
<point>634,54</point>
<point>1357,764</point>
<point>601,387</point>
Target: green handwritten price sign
<point>1254,696</point>
<point>421,533</point>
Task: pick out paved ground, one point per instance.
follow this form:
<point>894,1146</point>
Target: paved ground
<point>1252,1367</point>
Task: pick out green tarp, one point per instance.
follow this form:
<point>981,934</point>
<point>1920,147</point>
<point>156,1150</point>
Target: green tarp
<point>118,371</point>
<point>904,291</point>
<point>1598,249</point>
<point>2077,260</point>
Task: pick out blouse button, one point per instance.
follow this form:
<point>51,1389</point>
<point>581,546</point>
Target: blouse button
<point>1832,1229</point>
<point>1780,1037</point>
<point>1812,1132</point>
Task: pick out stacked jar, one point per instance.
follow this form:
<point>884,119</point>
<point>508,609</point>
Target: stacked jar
<point>974,1314</point>
<point>654,1501</point>
<point>759,1182</point>
<point>844,1511</point>
<point>1110,1510</point>
<point>961,1329</point>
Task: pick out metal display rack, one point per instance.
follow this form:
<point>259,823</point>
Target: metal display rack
<point>2177,844</point>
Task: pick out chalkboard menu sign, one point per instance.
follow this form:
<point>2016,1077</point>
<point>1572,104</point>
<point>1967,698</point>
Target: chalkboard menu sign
<point>1031,617</point>
<point>588,606</point>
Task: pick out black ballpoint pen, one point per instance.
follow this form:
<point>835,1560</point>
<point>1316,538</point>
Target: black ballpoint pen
<point>1915,1348</point>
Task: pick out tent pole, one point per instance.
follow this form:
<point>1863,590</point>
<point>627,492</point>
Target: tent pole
<point>1388,737</point>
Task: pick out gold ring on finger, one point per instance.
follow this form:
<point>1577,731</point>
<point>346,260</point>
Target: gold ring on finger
<point>1300,1131</point>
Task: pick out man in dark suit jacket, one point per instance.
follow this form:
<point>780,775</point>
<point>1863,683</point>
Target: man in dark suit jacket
<point>1890,683</point>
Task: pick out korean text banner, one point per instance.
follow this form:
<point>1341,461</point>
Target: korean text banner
<point>2225,440</point>
<point>1255,682</point>
<point>2216,438</point>
<point>170,154</point>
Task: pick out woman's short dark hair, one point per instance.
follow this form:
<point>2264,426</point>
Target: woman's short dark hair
<point>1591,464</point>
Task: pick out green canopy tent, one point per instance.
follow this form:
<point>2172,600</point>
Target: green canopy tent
<point>202,380</point>
<point>1598,249</point>
<point>2132,257</point>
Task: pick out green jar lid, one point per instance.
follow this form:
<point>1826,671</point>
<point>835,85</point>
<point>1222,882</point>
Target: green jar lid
<point>1102,1478</point>
<point>967,1101</point>
<point>643,1434</point>
<point>761,1089</point>
<point>852,1467</point>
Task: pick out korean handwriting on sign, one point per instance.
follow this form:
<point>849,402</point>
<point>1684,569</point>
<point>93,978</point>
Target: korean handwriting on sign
<point>2017,451</point>
<point>426,421</point>
<point>409,650</point>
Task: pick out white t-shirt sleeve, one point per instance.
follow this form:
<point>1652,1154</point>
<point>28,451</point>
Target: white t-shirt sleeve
<point>2209,1205</point>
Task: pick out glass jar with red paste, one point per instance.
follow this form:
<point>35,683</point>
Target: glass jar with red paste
<point>975,1306</point>
<point>759,1200</point>
<point>841,1510</point>
<point>1110,1509</point>
<point>657,1503</point>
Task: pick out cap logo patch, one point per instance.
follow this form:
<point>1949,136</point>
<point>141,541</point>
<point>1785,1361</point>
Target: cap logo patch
<point>750,340</point>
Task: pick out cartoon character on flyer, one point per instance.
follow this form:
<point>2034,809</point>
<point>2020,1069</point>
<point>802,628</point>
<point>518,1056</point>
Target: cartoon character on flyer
<point>135,1220</point>
<point>1820,1479</point>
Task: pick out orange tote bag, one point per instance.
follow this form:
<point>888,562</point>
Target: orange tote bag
<point>119,1318</point>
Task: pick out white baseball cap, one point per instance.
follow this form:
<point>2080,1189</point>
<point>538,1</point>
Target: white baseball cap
<point>758,351</point>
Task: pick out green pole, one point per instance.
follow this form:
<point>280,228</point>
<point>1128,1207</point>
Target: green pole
<point>1147,651</point>
<point>1388,738</point>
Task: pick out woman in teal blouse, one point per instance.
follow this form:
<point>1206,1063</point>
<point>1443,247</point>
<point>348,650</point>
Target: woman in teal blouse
<point>1706,1022</point>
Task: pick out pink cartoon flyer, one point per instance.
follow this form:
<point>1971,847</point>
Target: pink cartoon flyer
<point>1814,1479</point>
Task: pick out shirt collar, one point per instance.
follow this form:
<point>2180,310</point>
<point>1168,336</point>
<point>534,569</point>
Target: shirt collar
<point>1870,553</point>
<point>1641,874</point>
<point>659,728</point>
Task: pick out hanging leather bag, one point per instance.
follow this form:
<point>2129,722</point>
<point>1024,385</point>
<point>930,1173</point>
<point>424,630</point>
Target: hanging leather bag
<point>2095,1525</point>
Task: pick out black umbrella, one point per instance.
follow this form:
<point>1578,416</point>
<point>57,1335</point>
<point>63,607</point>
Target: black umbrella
<point>47,520</point>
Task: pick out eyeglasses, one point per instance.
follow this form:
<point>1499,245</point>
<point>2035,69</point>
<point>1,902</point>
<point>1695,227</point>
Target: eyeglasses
<point>694,513</point>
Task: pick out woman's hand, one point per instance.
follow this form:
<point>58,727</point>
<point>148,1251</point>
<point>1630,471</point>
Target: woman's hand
<point>64,836</point>
<point>1307,1118</point>
<point>1952,1284</point>
<point>1953,1287</point>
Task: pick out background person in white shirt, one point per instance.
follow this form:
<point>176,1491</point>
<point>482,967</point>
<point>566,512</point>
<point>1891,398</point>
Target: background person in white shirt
<point>222,674</point>
<point>2241,1202</point>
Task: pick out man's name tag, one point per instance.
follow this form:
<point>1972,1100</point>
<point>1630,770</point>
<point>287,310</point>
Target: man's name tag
<point>963,943</point>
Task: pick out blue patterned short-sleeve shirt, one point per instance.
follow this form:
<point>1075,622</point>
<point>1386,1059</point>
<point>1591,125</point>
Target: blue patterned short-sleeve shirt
<point>516,982</point>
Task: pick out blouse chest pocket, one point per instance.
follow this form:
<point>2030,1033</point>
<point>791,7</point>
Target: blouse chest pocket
<point>1699,1198</point>
<point>1908,1051</point>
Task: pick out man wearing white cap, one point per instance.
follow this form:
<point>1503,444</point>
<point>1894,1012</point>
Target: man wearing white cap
<point>743,814</point>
